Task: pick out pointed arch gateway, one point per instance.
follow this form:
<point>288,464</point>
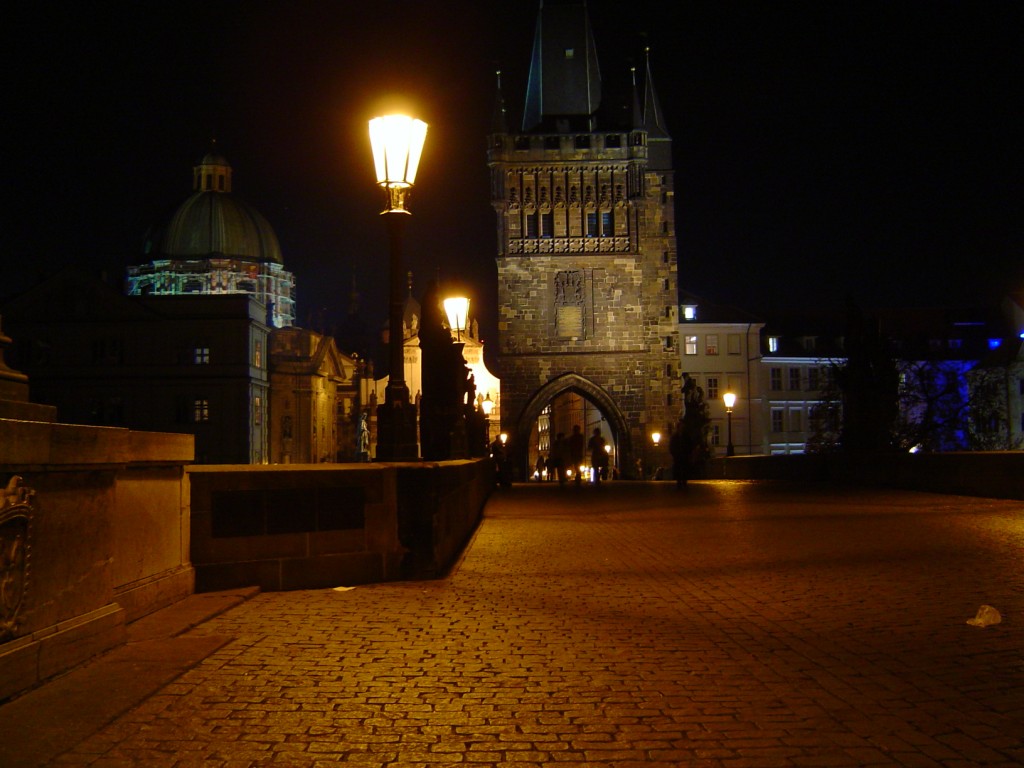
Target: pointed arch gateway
<point>573,382</point>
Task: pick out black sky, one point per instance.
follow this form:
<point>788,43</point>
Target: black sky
<point>822,149</point>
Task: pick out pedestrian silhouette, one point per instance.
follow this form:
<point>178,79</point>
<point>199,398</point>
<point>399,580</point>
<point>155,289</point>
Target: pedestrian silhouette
<point>576,443</point>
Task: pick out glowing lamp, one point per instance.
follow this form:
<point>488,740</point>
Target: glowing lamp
<point>397,143</point>
<point>730,401</point>
<point>656,437</point>
<point>503,437</point>
<point>457,308</point>
<point>487,405</point>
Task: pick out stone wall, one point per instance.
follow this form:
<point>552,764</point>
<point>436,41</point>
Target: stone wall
<point>283,527</point>
<point>94,534</point>
<point>994,474</point>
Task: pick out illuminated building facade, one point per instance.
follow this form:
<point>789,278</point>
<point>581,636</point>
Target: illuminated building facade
<point>314,399</point>
<point>215,243</point>
<point>587,283</point>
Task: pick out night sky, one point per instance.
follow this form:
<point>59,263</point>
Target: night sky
<point>822,149</point>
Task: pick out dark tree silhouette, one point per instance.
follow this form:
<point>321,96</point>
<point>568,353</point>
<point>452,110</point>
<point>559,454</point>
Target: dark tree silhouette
<point>869,383</point>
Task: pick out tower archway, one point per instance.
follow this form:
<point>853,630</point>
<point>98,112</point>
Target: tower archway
<point>597,395</point>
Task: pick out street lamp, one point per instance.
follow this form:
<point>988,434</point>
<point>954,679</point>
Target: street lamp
<point>397,143</point>
<point>730,401</point>
<point>487,406</point>
<point>457,308</point>
<point>656,438</point>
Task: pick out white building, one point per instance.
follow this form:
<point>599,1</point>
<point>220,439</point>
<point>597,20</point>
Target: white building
<point>720,348</point>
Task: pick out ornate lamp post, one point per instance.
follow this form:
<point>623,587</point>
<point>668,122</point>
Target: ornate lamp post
<point>730,400</point>
<point>397,143</point>
<point>656,439</point>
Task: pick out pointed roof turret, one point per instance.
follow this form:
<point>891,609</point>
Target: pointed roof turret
<point>654,122</point>
<point>659,143</point>
<point>564,87</point>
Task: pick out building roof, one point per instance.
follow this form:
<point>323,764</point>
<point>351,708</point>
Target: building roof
<point>213,222</point>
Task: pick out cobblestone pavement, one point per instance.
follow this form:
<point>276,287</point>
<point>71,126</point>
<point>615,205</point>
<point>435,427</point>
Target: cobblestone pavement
<point>734,624</point>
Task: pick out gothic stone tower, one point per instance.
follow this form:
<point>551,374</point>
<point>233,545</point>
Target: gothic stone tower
<point>586,245</point>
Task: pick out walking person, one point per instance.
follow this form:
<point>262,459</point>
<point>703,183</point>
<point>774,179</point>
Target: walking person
<point>598,455</point>
<point>541,467</point>
<point>576,453</point>
<point>559,459</point>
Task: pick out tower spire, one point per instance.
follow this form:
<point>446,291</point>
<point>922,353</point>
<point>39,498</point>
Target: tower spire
<point>564,87</point>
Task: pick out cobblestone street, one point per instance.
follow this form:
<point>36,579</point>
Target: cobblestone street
<point>734,624</point>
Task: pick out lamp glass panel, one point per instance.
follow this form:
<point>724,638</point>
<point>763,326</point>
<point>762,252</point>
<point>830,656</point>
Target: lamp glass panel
<point>397,143</point>
<point>457,308</point>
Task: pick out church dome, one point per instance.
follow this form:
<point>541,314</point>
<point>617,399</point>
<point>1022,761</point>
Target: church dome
<point>213,223</point>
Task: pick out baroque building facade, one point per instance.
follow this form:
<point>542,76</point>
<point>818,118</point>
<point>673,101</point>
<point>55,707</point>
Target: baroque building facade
<point>587,278</point>
<point>216,243</point>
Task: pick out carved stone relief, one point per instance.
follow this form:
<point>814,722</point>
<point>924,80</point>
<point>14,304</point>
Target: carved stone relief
<point>15,550</point>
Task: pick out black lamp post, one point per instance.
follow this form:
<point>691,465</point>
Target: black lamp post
<point>730,401</point>
<point>397,143</point>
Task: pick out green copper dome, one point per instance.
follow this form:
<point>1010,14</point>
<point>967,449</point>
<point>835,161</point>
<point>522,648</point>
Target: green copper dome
<point>212,222</point>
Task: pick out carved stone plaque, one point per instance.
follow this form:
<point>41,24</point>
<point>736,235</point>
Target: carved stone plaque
<point>15,540</point>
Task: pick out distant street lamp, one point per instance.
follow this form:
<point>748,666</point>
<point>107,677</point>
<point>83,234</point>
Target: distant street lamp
<point>457,308</point>
<point>656,438</point>
<point>730,401</point>
<point>487,406</point>
<point>397,143</point>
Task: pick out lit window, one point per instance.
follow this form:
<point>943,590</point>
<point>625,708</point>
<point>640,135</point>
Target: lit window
<point>257,355</point>
<point>711,344</point>
<point>257,410</point>
<point>200,410</point>
<point>201,355</point>
<point>689,312</point>
<point>773,343</point>
<point>691,345</point>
